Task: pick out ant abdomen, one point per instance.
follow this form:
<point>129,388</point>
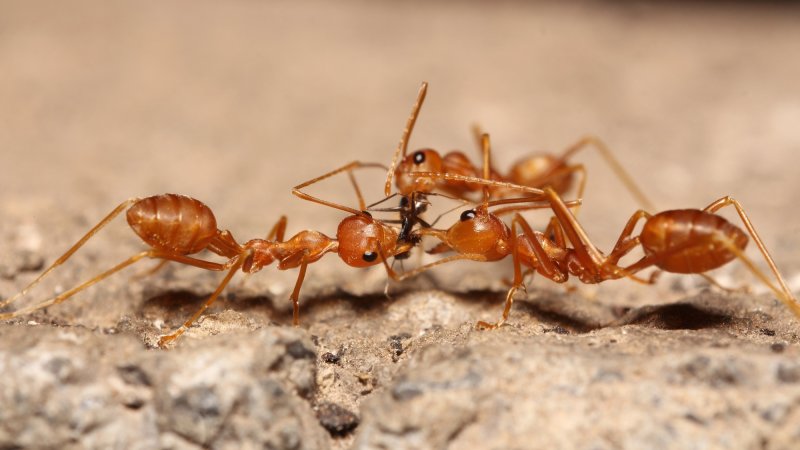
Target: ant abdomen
<point>532,170</point>
<point>695,238</point>
<point>173,222</point>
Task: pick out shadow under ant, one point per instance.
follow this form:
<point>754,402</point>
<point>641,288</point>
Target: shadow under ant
<point>180,302</point>
<point>684,315</point>
<point>676,316</point>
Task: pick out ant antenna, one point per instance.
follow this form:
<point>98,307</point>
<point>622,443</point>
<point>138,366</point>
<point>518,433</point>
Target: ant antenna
<point>346,168</point>
<point>403,145</point>
<point>487,149</point>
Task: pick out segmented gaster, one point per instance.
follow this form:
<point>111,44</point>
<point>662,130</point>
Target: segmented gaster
<point>697,233</point>
<point>173,222</point>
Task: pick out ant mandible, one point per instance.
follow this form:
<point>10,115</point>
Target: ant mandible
<point>687,241</point>
<point>176,226</point>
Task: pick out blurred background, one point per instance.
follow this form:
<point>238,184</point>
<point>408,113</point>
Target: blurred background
<point>235,102</point>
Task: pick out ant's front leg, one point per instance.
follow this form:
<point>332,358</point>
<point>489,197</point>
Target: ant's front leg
<point>545,264</point>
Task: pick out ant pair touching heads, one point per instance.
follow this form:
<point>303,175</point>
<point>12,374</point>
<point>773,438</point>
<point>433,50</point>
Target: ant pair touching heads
<point>688,241</point>
<point>685,241</point>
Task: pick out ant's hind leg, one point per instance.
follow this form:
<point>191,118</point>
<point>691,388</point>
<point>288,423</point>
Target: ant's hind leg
<point>166,339</point>
<point>155,254</point>
<point>786,295</point>
<point>710,280</point>
<point>114,213</point>
<point>67,294</point>
<point>615,165</point>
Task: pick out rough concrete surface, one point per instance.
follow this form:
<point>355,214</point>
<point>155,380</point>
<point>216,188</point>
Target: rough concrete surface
<point>236,102</point>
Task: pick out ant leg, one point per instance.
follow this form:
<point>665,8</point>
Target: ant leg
<point>361,204</point>
<point>154,254</point>
<point>621,173</point>
<point>61,259</point>
<point>402,276</point>
<point>67,294</point>
<point>224,244</point>
<point>234,266</point>
<point>717,285</point>
<point>518,281</point>
<point>554,229</point>
<point>580,169</point>
<point>545,266</point>
<point>625,243</point>
<point>346,168</point>
<point>585,251</point>
<point>590,258</point>
<point>533,204</point>
<point>786,296</point>
<point>295,297</point>
<point>477,134</point>
<point>402,146</point>
<point>278,230</point>
<point>151,271</point>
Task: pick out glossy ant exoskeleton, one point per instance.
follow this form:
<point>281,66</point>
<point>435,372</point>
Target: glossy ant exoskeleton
<point>536,171</point>
<point>687,241</point>
<point>176,226</point>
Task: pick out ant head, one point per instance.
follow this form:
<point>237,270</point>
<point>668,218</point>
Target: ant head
<point>425,160</point>
<point>362,239</point>
<point>480,232</point>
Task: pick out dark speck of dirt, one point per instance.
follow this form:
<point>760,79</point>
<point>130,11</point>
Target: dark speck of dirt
<point>767,332</point>
<point>405,391</point>
<point>298,350</point>
<point>336,419</point>
<point>694,419</point>
<point>330,358</point>
<point>133,375</point>
<point>778,347</point>
<point>788,374</point>
<point>557,330</point>
<point>30,262</point>
<point>396,345</point>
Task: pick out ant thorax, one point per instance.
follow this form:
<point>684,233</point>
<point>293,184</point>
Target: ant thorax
<point>303,248</point>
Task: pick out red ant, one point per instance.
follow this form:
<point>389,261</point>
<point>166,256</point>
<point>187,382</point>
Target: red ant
<point>536,171</point>
<point>688,241</point>
<point>176,226</point>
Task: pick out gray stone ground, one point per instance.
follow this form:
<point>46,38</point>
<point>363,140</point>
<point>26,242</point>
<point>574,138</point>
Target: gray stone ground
<point>234,103</point>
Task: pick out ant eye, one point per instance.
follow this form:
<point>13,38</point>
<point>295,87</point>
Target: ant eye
<point>369,256</point>
<point>419,157</point>
<point>366,213</point>
<point>468,215</point>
